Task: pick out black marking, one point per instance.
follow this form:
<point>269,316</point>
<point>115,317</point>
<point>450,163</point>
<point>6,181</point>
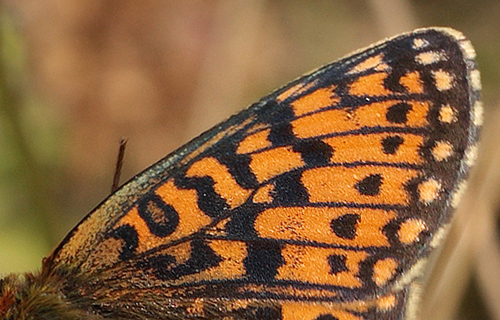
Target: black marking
<point>289,190</point>
<point>259,313</point>
<point>129,235</point>
<point>326,317</point>
<point>391,144</point>
<point>391,232</point>
<point>266,109</point>
<point>398,113</point>
<point>161,266</point>
<point>202,257</point>
<point>337,263</point>
<point>366,131</point>
<point>314,152</point>
<point>263,261</point>
<point>240,226</point>
<point>162,219</point>
<point>237,164</point>
<point>209,201</point>
<point>345,226</point>
<point>281,134</point>
<point>392,82</point>
<point>369,186</point>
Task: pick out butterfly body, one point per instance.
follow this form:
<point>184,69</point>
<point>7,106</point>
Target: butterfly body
<point>321,201</point>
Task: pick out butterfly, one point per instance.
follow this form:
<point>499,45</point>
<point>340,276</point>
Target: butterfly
<point>321,201</point>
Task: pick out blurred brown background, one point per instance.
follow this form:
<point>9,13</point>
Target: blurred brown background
<point>76,76</point>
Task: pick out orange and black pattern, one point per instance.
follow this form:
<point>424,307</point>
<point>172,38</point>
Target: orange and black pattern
<point>321,201</point>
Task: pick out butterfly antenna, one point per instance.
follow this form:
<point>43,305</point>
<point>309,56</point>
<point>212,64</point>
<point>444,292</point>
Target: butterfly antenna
<point>119,164</point>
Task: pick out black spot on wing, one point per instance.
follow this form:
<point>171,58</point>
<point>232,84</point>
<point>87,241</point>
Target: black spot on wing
<point>240,226</point>
<point>128,234</point>
<point>237,164</point>
<point>161,266</point>
<point>258,313</point>
<point>391,144</point>
<point>164,267</point>
<point>337,263</point>
<point>314,152</point>
<point>326,317</point>
<point>345,226</point>
<point>209,201</point>
<point>161,218</point>
<point>289,190</point>
<point>263,261</point>
<point>398,113</point>
<point>369,186</point>
<point>281,134</point>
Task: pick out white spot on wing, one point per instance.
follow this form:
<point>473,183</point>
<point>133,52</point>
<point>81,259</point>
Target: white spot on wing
<point>458,193</point>
<point>471,155</point>
<point>439,236</point>
<point>475,79</point>
<point>443,80</point>
<point>430,57</point>
<point>420,43</point>
<point>478,114</point>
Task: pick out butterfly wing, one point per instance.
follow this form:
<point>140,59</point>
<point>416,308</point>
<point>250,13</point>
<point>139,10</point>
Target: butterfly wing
<point>321,201</point>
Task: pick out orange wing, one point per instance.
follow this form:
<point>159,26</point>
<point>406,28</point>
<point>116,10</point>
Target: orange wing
<point>321,201</point>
